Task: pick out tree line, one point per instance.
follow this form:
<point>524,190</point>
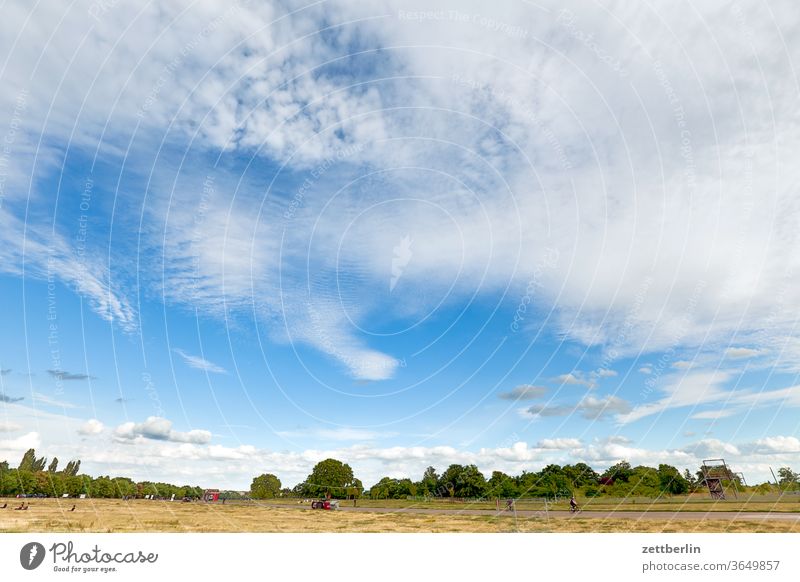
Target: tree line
<point>331,477</point>
<point>35,476</point>
<point>334,478</point>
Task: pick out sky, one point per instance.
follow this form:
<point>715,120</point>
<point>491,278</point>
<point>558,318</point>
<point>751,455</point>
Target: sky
<point>239,238</point>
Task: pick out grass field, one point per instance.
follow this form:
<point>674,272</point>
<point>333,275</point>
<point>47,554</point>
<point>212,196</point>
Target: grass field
<point>53,515</point>
<point>696,502</point>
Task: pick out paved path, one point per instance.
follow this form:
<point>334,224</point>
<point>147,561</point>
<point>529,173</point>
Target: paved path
<point>651,515</point>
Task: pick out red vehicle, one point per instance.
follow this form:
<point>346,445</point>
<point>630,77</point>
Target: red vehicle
<point>329,504</point>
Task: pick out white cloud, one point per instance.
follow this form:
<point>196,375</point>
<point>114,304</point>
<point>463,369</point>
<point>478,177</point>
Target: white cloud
<point>232,466</point>
<point>48,254</point>
<point>91,427</point>
<point>547,410</point>
<point>740,353</point>
<point>708,448</point>
<point>200,363</point>
<point>158,428</point>
<point>700,388</point>
<point>575,378</point>
<point>682,365</point>
<point>777,445</point>
<point>337,434</point>
<point>10,449</point>
<point>651,214</point>
<point>682,391</point>
<point>646,370</point>
<point>559,443</point>
<point>589,407</point>
<point>597,408</point>
<point>607,453</point>
<point>715,414</point>
<point>524,392</point>
<point>49,401</point>
<point>6,426</point>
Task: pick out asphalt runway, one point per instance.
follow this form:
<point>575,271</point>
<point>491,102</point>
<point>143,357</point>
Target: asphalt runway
<point>637,515</point>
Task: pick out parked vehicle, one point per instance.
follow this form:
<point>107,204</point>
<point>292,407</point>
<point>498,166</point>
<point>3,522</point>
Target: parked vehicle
<point>329,504</point>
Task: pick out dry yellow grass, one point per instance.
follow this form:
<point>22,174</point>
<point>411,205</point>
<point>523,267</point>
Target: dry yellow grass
<point>53,515</point>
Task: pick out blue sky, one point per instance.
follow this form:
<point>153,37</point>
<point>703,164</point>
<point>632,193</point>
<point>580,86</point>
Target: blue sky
<point>239,239</point>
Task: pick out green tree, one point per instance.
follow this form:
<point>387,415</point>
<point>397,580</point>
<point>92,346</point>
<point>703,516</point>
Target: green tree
<point>388,488</point>
<point>355,490</point>
<point>102,487</point>
<point>580,474</point>
<point>671,480</point>
<point>446,485</point>
<point>265,486</point>
<point>329,476</point>
<point>123,487</point>
<point>501,485</point>
<point>462,481</point>
<point>691,480</point>
<point>25,482</point>
<point>787,476</point>
<point>72,468</point>
<point>620,472</point>
<point>28,461</point>
<point>552,481</point>
<point>641,482</point>
<point>427,486</point>
<point>53,465</point>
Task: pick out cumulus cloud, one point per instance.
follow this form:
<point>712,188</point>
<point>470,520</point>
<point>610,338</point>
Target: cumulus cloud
<point>545,410</point>
<point>11,448</point>
<point>231,465</point>
<point>736,353</point>
<point>343,433</point>
<point>158,428</point>
<point>91,427</point>
<point>776,445</point>
<point>6,426</point>
<point>598,408</point>
<point>559,443</point>
<point>682,365</point>
<point>575,378</point>
<point>707,448</point>
<point>524,392</point>
<point>590,407</point>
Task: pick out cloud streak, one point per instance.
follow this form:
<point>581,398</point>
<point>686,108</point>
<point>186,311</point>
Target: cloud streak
<point>200,363</point>
<point>10,399</point>
<point>524,392</point>
<point>68,376</point>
